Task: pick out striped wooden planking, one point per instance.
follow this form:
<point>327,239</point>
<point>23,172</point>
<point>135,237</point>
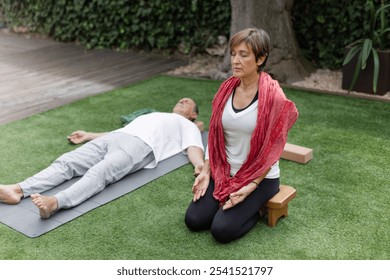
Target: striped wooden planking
<point>38,74</point>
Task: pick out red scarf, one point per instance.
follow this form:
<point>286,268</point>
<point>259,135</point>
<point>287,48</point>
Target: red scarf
<point>276,115</point>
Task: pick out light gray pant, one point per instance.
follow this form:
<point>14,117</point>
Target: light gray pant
<point>100,162</point>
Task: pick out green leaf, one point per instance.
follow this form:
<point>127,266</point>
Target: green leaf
<point>381,13</point>
<point>320,19</point>
<point>366,50</point>
<point>356,72</point>
<point>372,16</point>
<point>351,54</point>
<point>382,32</point>
<point>376,69</point>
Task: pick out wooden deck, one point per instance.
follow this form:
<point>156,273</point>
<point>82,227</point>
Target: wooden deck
<point>40,74</point>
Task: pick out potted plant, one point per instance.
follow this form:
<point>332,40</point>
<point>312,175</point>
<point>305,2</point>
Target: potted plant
<point>369,58</point>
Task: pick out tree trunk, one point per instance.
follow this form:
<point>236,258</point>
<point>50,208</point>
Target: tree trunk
<point>285,62</point>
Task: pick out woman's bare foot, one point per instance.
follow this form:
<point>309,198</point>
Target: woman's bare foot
<point>10,194</point>
<point>47,204</point>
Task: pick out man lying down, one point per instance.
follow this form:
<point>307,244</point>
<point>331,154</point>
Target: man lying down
<point>108,157</point>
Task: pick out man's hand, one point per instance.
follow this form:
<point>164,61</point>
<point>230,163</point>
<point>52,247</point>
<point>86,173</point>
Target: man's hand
<point>198,168</point>
<point>239,196</point>
<point>78,137</point>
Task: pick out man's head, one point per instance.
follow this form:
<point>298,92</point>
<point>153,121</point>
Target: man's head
<point>187,108</point>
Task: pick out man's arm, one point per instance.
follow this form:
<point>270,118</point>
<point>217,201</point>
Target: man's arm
<point>195,156</point>
<point>80,136</point>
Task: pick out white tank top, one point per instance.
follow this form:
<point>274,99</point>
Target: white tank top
<point>238,128</point>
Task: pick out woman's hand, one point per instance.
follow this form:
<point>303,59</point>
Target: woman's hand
<point>200,185</point>
<point>239,196</point>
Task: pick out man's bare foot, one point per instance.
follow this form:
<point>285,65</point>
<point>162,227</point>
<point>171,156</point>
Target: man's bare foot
<point>47,204</point>
<point>10,194</point>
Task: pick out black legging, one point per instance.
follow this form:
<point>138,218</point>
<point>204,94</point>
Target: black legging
<point>227,225</point>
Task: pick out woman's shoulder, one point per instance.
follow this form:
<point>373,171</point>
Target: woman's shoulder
<point>271,86</point>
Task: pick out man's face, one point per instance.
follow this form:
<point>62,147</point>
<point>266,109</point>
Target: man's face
<point>185,107</point>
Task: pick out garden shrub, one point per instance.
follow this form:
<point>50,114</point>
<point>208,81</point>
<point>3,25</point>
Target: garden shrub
<point>324,27</point>
<point>122,24</point>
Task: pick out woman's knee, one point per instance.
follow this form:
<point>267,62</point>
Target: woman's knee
<point>195,221</point>
<point>224,231</point>
<point>192,222</point>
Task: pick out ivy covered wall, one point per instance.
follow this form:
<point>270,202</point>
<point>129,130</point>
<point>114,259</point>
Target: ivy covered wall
<point>322,27</point>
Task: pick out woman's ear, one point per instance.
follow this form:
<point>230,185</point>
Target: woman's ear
<point>261,60</point>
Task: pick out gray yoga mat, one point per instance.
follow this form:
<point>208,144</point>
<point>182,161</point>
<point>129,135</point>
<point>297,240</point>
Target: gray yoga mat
<point>24,217</point>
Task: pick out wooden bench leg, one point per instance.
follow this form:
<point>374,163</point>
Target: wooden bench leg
<point>275,214</point>
<point>277,206</point>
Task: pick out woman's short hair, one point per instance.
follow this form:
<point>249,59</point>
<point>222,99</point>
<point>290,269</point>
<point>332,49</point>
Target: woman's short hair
<point>257,39</point>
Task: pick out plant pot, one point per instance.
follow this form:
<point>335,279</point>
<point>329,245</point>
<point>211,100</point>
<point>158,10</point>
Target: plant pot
<point>364,82</point>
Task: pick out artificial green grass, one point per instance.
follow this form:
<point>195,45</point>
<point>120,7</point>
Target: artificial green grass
<point>340,212</point>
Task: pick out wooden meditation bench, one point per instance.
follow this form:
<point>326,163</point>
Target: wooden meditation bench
<point>277,206</point>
